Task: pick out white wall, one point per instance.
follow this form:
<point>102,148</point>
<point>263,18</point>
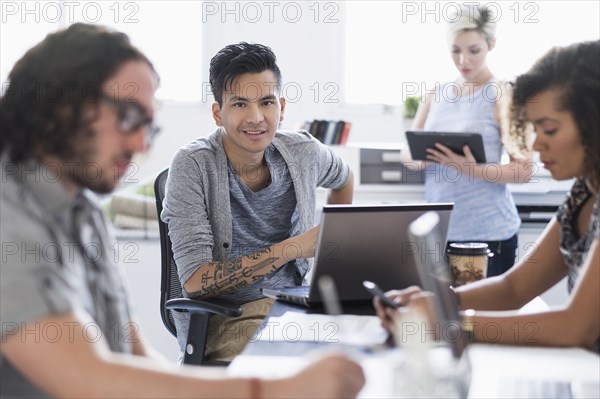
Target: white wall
<point>310,46</point>
<point>310,56</point>
<point>311,50</point>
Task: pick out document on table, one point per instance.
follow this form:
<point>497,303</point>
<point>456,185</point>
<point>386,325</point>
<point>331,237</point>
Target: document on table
<point>340,329</point>
<point>379,370</point>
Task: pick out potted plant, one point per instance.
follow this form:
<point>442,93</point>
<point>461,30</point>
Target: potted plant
<point>411,104</point>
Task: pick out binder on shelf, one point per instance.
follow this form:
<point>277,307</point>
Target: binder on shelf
<point>321,129</point>
<point>339,128</point>
<point>329,132</point>
<point>345,133</point>
<point>313,128</point>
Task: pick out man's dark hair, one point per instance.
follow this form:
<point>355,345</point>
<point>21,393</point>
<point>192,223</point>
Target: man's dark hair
<point>237,59</point>
<point>41,111</point>
<point>575,70</point>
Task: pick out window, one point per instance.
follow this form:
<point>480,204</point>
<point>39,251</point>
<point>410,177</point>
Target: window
<point>398,48</point>
<point>168,32</point>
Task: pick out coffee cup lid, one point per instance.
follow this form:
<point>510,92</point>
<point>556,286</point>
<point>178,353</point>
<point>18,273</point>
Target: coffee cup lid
<point>468,248</point>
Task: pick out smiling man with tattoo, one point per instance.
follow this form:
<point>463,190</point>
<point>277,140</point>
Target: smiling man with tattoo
<point>240,202</point>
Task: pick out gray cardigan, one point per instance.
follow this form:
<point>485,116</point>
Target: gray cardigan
<point>197,208</point>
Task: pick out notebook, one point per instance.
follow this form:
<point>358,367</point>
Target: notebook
<point>363,242</point>
<point>426,234</point>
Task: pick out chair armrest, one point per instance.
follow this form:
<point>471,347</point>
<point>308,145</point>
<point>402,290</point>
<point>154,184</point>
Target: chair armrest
<point>216,306</point>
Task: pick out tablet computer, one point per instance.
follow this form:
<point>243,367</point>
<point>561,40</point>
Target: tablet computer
<point>419,142</point>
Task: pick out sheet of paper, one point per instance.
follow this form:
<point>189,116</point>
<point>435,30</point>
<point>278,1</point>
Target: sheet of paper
<point>342,329</point>
<point>378,369</point>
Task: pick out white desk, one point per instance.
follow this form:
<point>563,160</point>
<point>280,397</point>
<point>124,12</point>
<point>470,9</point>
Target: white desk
<point>490,364</point>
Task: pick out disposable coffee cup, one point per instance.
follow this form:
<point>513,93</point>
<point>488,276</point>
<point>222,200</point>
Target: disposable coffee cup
<point>468,262</point>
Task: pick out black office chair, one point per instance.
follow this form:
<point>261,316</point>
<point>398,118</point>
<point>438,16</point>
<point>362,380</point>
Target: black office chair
<point>171,299</point>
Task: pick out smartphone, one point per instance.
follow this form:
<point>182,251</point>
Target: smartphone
<point>376,291</point>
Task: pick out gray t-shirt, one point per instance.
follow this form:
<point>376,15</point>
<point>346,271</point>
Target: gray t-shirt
<point>45,270</point>
<point>261,219</point>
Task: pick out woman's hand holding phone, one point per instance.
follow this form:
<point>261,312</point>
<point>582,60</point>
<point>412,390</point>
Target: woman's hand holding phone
<point>378,293</point>
<point>386,305</point>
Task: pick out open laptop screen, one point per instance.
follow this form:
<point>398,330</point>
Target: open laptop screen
<point>369,242</point>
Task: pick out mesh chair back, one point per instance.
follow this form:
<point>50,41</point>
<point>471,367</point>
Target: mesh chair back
<point>170,286</point>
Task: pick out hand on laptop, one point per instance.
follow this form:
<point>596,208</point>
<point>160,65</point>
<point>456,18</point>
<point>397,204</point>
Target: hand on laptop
<point>401,297</point>
<point>337,376</point>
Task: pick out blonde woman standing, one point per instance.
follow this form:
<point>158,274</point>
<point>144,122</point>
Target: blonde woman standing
<point>484,209</point>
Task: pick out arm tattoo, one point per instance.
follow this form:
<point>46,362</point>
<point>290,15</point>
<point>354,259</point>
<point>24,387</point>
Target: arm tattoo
<point>257,254</point>
<point>205,279</point>
<point>263,264</point>
<point>232,266</point>
<point>230,275</point>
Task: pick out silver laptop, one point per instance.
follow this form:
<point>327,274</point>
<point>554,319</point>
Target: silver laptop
<point>425,233</point>
<point>363,242</point>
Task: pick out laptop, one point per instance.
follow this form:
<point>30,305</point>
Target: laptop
<point>363,242</point>
<point>425,233</point>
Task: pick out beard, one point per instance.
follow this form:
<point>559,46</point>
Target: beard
<point>85,171</point>
<point>99,186</point>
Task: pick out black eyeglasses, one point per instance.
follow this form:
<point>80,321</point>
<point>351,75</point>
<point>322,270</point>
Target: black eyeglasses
<point>132,116</point>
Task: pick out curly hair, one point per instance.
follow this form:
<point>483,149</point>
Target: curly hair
<point>237,59</point>
<point>575,70</point>
<point>41,109</point>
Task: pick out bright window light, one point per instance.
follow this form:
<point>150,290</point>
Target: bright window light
<point>398,48</point>
<point>169,33</point>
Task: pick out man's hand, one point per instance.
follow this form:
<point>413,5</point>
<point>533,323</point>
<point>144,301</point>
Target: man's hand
<point>330,377</point>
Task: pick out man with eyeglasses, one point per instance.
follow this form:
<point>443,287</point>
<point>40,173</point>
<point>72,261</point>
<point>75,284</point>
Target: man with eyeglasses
<point>67,326</point>
<point>132,116</point>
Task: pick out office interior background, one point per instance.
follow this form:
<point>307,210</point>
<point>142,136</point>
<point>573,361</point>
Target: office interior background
<point>356,61</point>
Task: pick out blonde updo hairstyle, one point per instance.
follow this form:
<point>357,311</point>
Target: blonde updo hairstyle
<point>477,18</point>
<point>482,20</point>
